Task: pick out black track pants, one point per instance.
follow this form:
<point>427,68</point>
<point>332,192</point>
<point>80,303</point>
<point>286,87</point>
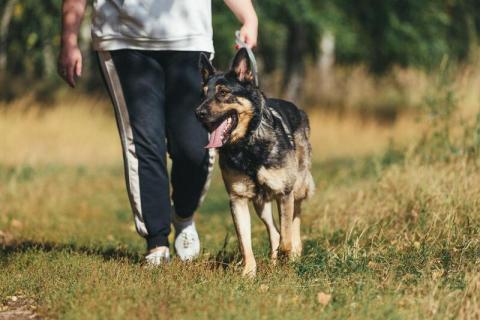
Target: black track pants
<point>154,94</point>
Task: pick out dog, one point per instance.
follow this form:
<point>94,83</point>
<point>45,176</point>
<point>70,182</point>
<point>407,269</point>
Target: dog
<point>264,155</point>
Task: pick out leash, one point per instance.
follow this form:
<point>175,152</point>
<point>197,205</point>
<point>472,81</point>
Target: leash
<point>253,61</point>
<point>251,56</point>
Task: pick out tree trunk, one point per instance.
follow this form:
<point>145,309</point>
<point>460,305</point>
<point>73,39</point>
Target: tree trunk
<point>49,66</point>
<point>295,64</point>
<point>326,62</point>
<point>4,28</point>
<point>472,36</point>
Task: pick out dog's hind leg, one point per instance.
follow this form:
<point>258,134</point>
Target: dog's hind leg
<point>296,238</point>
<point>264,211</point>
<point>286,209</point>
<point>241,219</point>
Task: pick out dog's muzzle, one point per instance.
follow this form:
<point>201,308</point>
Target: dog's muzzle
<point>201,113</point>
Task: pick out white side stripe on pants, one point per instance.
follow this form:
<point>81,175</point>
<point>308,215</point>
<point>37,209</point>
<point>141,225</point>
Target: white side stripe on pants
<point>126,136</point>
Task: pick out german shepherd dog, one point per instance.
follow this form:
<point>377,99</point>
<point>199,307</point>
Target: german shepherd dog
<point>264,155</point>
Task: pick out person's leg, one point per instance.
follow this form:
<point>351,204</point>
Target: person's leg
<point>191,162</point>
<point>187,138</point>
<point>136,83</point>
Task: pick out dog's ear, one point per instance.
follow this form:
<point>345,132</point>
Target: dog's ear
<point>206,67</point>
<point>241,66</point>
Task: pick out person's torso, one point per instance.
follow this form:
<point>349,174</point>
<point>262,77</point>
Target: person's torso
<point>153,24</point>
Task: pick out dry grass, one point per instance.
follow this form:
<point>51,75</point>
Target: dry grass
<point>334,136</point>
<point>74,131</point>
<point>354,90</point>
<point>82,131</point>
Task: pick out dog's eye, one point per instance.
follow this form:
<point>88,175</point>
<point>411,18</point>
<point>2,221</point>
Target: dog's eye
<point>223,92</point>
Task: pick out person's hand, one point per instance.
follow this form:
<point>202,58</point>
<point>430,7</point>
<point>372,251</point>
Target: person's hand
<point>70,64</point>
<point>249,33</point>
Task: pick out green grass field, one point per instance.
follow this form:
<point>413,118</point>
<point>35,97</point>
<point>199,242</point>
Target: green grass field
<point>387,236</point>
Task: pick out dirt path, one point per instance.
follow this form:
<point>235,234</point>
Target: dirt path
<point>18,308</point>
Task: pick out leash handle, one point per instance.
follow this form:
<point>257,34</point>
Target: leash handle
<point>253,61</point>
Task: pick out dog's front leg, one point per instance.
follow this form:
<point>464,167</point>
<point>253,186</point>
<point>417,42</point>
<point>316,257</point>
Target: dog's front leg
<point>264,211</point>
<point>241,219</point>
<point>285,209</point>
<point>296,237</point>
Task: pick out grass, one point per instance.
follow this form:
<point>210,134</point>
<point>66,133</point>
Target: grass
<point>402,90</point>
<point>387,235</point>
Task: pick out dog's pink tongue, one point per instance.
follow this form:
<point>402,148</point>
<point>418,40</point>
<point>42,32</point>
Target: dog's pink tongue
<point>216,137</point>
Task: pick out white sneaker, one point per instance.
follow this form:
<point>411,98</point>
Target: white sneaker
<point>158,256</point>
<point>187,243</point>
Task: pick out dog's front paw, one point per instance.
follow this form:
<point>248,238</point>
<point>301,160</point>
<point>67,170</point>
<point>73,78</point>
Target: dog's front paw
<point>287,252</point>
<point>296,252</point>
<point>285,248</point>
<point>249,271</point>
<point>274,257</point>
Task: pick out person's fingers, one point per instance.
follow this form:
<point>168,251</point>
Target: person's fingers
<point>251,43</point>
<point>70,75</point>
<point>78,67</point>
<point>61,69</point>
<point>253,39</point>
<point>243,35</point>
<point>248,39</point>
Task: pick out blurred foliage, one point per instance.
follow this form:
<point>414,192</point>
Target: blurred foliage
<point>449,135</point>
<point>377,33</point>
<point>34,26</point>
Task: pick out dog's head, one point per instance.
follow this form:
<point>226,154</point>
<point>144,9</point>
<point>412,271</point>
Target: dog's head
<point>231,101</point>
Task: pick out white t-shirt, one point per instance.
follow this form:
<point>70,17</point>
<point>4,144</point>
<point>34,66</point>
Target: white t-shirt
<point>183,25</point>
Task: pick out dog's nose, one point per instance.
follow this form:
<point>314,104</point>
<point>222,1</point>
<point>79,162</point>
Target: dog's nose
<point>201,113</point>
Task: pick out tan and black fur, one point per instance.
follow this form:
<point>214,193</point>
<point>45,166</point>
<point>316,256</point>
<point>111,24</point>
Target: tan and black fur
<point>265,157</point>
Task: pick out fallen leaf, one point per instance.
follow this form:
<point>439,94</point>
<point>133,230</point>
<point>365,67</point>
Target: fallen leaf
<point>323,298</point>
<point>16,223</point>
<point>5,237</point>
<point>263,288</point>
<point>437,274</point>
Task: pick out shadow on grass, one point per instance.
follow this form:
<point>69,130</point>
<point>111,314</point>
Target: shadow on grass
<point>224,258</point>
<point>107,253</point>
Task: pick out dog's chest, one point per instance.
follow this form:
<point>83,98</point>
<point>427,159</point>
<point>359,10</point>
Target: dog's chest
<point>275,180</point>
<point>260,180</point>
<point>246,158</point>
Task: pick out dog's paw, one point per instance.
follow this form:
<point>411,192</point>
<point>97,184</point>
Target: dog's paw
<point>296,252</point>
<point>249,271</point>
<point>289,254</point>
<point>274,257</point>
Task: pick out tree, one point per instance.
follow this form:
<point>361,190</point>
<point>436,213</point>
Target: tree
<point>4,28</point>
<point>377,33</point>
